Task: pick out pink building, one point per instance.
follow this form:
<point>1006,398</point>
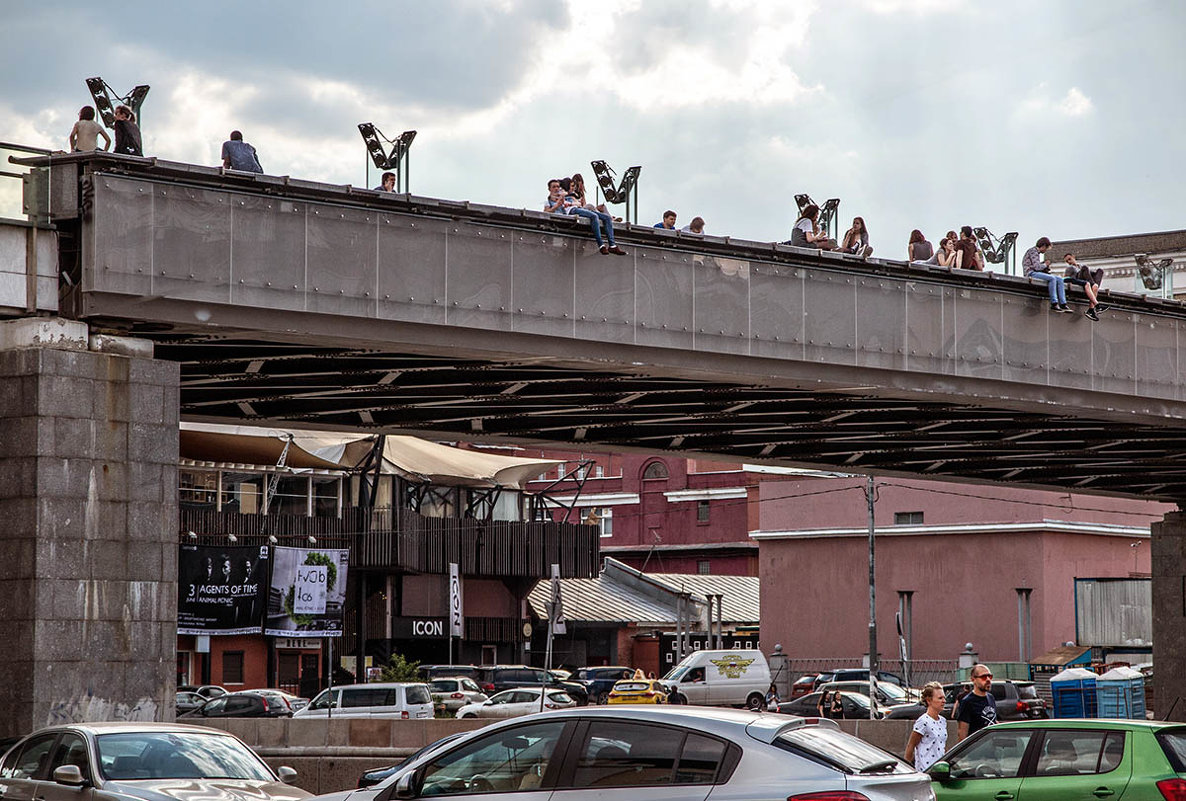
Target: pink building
<point>963,551</point>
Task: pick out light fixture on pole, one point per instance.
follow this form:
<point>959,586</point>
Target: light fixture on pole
<point>998,251</point>
<point>827,212</point>
<point>312,540</point>
<point>232,539</point>
<point>396,159</point>
<point>626,192</point>
<point>103,94</point>
<point>192,536</point>
<point>1154,272</point>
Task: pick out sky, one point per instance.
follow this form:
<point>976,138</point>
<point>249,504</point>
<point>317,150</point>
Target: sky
<point>1059,118</point>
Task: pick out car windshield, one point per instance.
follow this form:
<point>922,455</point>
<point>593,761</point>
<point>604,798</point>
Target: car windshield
<point>1173,743</point>
<point>834,747</point>
<point>676,674</point>
<point>1026,691</point>
<point>128,756</point>
<point>417,694</point>
<point>893,692</point>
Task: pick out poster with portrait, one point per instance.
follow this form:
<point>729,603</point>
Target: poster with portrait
<point>308,592</point>
<point>221,589</point>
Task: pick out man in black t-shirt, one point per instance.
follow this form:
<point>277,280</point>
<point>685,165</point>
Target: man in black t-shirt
<point>978,708</point>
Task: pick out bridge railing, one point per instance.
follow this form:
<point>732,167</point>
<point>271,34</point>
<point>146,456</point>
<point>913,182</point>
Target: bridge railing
<point>15,187</point>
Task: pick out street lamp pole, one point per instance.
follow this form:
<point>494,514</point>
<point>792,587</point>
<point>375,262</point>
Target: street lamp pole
<point>872,602</point>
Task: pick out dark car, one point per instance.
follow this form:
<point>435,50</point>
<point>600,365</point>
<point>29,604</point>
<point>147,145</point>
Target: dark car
<point>206,690</point>
<point>1016,700</point>
<point>496,678</point>
<point>189,701</point>
<point>243,705</point>
<point>431,672</point>
<point>600,680</point>
<point>855,706</point>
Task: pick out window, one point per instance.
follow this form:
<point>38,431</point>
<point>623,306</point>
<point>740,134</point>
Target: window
<point>907,518</point>
<point>232,667</point>
<point>32,758</point>
<point>325,495</point>
<point>71,750</point>
<point>1074,753</point>
<point>507,760</point>
<point>418,694</point>
<point>327,699</point>
<point>603,518</point>
<point>656,469</point>
<point>242,492</point>
<point>703,567</point>
<point>626,754</point>
<point>242,704</point>
<point>702,511</point>
<point>292,496</point>
<point>197,489</point>
<point>996,755</point>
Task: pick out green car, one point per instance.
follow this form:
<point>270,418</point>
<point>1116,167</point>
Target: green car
<point>1059,760</point>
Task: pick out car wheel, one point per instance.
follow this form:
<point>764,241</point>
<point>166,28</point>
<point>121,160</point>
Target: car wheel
<point>754,702</point>
<point>677,698</point>
<point>603,698</point>
<point>467,717</point>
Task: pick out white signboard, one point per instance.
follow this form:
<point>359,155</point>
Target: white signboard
<point>456,615</point>
<point>310,590</point>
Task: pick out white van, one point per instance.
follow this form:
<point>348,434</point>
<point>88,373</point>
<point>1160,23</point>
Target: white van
<point>720,678</point>
<point>394,700</point>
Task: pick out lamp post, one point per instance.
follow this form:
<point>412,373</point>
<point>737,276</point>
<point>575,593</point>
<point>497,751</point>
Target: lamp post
<point>827,212</point>
<point>626,192</point>
<point>396,159</point>
<point>998,251</point>
<point>102,93</point>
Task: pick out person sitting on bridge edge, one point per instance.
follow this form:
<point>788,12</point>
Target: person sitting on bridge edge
<point>919,248</point>
<point>85,134</point>
<point>386,183</point>
<point>696,226</point>
<point>1036,267</point>
<point>570,204</point>
<point>238,155</point>
<point>667,222</point>
<point>856,239</point>
<point>806,233</point>
<point>127,134</point>
<point>1090,280</point>
<point>967,254</point>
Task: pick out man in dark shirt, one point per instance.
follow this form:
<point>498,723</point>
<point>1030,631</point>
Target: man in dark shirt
<point>969,255</point>
<point>238,155</point>
<point>978,708</point>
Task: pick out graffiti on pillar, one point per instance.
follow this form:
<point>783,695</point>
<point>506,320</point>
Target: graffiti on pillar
<point>89,707</point>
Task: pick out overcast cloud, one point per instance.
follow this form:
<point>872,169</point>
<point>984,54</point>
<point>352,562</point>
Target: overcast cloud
<point>1049,117</point>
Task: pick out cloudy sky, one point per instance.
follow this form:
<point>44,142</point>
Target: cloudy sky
<point>1049,117</point>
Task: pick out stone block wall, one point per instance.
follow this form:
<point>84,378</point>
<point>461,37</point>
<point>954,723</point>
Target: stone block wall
<point>88,520</point>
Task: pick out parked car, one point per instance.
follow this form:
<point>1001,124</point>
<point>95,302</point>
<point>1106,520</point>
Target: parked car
<point>600,680</point>
<point>205,690</point>
<point>638,691</point>
<point>720,678</point>
<point>516,702</point>
<point>379,700</point>
<point>150,761</point>
<point>886,693</point>
<point>294,701</point>
<point>431,672</point>
<point>856,674</point>
<point>496,678</point>
<point>1051,760</point>
<point>372,777</point>
<point>1016,700</point>
<point>245,704</point>
<point>456,691</point>
<point>855,706</point>
<point>188,701</point>
<point>655,752</point>
<point>802,685</point>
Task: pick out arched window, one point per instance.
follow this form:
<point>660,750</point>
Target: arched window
<point>656,469</point>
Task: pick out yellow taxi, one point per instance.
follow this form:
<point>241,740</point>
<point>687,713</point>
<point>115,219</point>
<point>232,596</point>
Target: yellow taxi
<point>638,691</point>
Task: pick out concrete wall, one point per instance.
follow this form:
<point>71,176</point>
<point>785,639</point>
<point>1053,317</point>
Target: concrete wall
<point>88,504</point>
<point>330,755</point>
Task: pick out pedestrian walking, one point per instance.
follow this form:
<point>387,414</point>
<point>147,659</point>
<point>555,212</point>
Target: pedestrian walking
<point>772,698</point>
<point>928,738</point>
<point>977,709</point>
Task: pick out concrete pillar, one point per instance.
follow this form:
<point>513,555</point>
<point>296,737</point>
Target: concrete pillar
<point>1168,563</point>
<point>88,522</point>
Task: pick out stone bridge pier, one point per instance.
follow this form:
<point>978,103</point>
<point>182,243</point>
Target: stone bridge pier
<point>1168,563</point>
<point>88,521</point>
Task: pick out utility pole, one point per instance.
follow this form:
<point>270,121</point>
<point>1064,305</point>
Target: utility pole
<point>872,603</point>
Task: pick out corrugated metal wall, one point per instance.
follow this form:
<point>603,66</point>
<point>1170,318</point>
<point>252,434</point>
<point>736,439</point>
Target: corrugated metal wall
<point>1114,612</point>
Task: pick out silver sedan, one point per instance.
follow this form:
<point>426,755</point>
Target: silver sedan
<point>657,753</point>
<point>151,761</point>
<point>456,691</point>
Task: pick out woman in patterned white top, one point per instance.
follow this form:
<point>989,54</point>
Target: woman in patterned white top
<point>928,740</point>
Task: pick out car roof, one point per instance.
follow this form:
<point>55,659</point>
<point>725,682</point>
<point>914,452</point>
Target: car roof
<point>380,685</point>
<point>125,727</point>
<point>1092,723</point>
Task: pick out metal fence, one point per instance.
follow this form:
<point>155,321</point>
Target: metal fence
<point>919,671</point>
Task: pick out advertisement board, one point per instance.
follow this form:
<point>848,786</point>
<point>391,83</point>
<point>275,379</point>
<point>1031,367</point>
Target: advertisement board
<point>307,593</point>
<point>221,589</point>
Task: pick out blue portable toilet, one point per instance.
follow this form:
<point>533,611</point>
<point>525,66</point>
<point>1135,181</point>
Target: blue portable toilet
<point>1074,693</point>
<point>1121,694</point>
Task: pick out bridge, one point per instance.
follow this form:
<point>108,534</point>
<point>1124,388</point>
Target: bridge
<point>269,300</point>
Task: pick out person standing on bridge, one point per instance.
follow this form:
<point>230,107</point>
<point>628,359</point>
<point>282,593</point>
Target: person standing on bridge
<point>127,134</point>
<point>1036,268</point>
<point>238,155</point>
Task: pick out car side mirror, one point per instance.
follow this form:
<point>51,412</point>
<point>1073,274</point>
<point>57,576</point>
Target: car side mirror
<point>69,775</point>
<point>287,775</point>
<point>405,787</point>
<point>940,772</point>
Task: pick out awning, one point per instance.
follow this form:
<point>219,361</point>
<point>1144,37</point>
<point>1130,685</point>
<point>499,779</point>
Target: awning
<point>410,457</point>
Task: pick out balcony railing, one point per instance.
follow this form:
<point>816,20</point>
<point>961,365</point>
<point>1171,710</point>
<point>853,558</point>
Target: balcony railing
<point>401,540</point>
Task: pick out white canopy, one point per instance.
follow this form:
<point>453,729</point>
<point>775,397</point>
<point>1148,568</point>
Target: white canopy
<point>410,457</point>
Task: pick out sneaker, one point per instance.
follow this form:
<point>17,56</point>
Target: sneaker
<point>604,250</point>
<point>866,251</point>
<point>1054,308</point>
<point>1091,315</point>
<point>1099,307</point>
<point>1062,307</point>
<point>617,251</point>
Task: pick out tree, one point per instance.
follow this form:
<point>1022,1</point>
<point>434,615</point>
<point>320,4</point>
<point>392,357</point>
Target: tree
<point>400,669</point>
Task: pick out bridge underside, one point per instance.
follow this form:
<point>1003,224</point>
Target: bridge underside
<point>591,407</point>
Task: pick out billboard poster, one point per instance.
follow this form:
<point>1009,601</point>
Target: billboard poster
<point>221,589</point>
<point>308,592</point>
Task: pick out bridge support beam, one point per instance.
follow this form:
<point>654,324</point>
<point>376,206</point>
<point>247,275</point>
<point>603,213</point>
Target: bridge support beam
<point>1168,563</point>
<point>88,522</point>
